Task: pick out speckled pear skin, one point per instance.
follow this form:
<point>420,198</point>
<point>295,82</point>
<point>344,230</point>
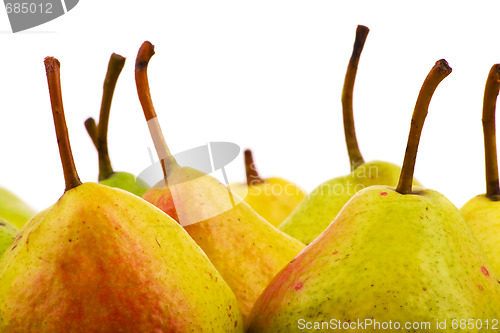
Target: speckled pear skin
<point>274,199</point>
<point>245,248</point>
<point>126,181</point>
<point>8,233</point>
<point>104,260</point>
<point>313,215</point>
<point>386,256</point>
<point>483,216</point>
<point>13,209</point>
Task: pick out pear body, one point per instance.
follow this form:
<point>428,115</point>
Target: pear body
<point>483,216</point>
<point>245,248</point>
<point>386,257</point>
<point>274,199</point>
<point>103,260</point>
<point>8,233</point>
<point>14,209</point>
<point>126,181</point>
<point>313,215</point>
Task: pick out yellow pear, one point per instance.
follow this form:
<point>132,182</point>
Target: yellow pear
<point>311,217</point>
<point>104,260</point>
<point>394,260</point>
<point>483,211</point>
<point>272,198</point>
<point>246,249</point>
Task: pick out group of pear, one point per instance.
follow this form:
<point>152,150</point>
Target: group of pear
<point>192,254</point>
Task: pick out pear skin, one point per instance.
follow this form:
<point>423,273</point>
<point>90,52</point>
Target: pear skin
<point>8,233</point>
<point>483,211</point>
<point>313,215</point>
<point>245,248</point>
<point>274,199</point>
<point>387,256</point>
<point>104,260</point>
<point>483,216</point>
<point>126,181</point>
<point>13,209</point>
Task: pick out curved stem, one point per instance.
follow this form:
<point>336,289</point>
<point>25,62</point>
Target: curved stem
<point>355,157</point>
<point>440,70</point>
<point>144,55</point>
<point>141,79</point>
<point>253,177</point>
<point>91,127</point>
<point>115,66</point>
<point>52,68</point>
<point>490,147</point>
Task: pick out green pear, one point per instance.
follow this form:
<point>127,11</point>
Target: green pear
<point>127,182</point>
<point>392,256</point>
<point>483,211</point>
<point>8,233</point>
<point>311,217</point>
<point>103,260</point>
<point>387,257</point>
<point>99,135</point>
<point>272,198</point>
<point>14,209</point>
<point>246,249</point>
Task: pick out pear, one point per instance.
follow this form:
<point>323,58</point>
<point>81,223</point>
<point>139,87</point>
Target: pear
<point>392,256</point>
<point>104,260</point>
<point>483,211</point>
<point>14,209</point>
<point>8,233</point>
<point>311,217</point>
<point>272,198</point>
<point>246,249</point>
<point>99,135</point>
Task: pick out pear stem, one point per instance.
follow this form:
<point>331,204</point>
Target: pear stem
<point>490,147</point>
<point>355,157</point>
<point>91,127</point>
<point>440,70</point>
<point>144,55</point>
<point>99,133</point>
<point>253,177</point>
<point>52,68</point>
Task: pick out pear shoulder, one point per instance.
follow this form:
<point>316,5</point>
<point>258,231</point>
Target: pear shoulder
<point>318,209</point>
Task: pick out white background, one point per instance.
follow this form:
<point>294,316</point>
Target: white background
<point>263,74</point>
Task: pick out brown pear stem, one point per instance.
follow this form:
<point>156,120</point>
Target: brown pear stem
<point>91,127</point>
<point>440,70</point>
<point>253,177</point>
<point>490,147</point>
<point>99,133</point>
<point>52,68</point>
<point>144,55</point>
<point>141,79</point>
<point>355,157</point>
